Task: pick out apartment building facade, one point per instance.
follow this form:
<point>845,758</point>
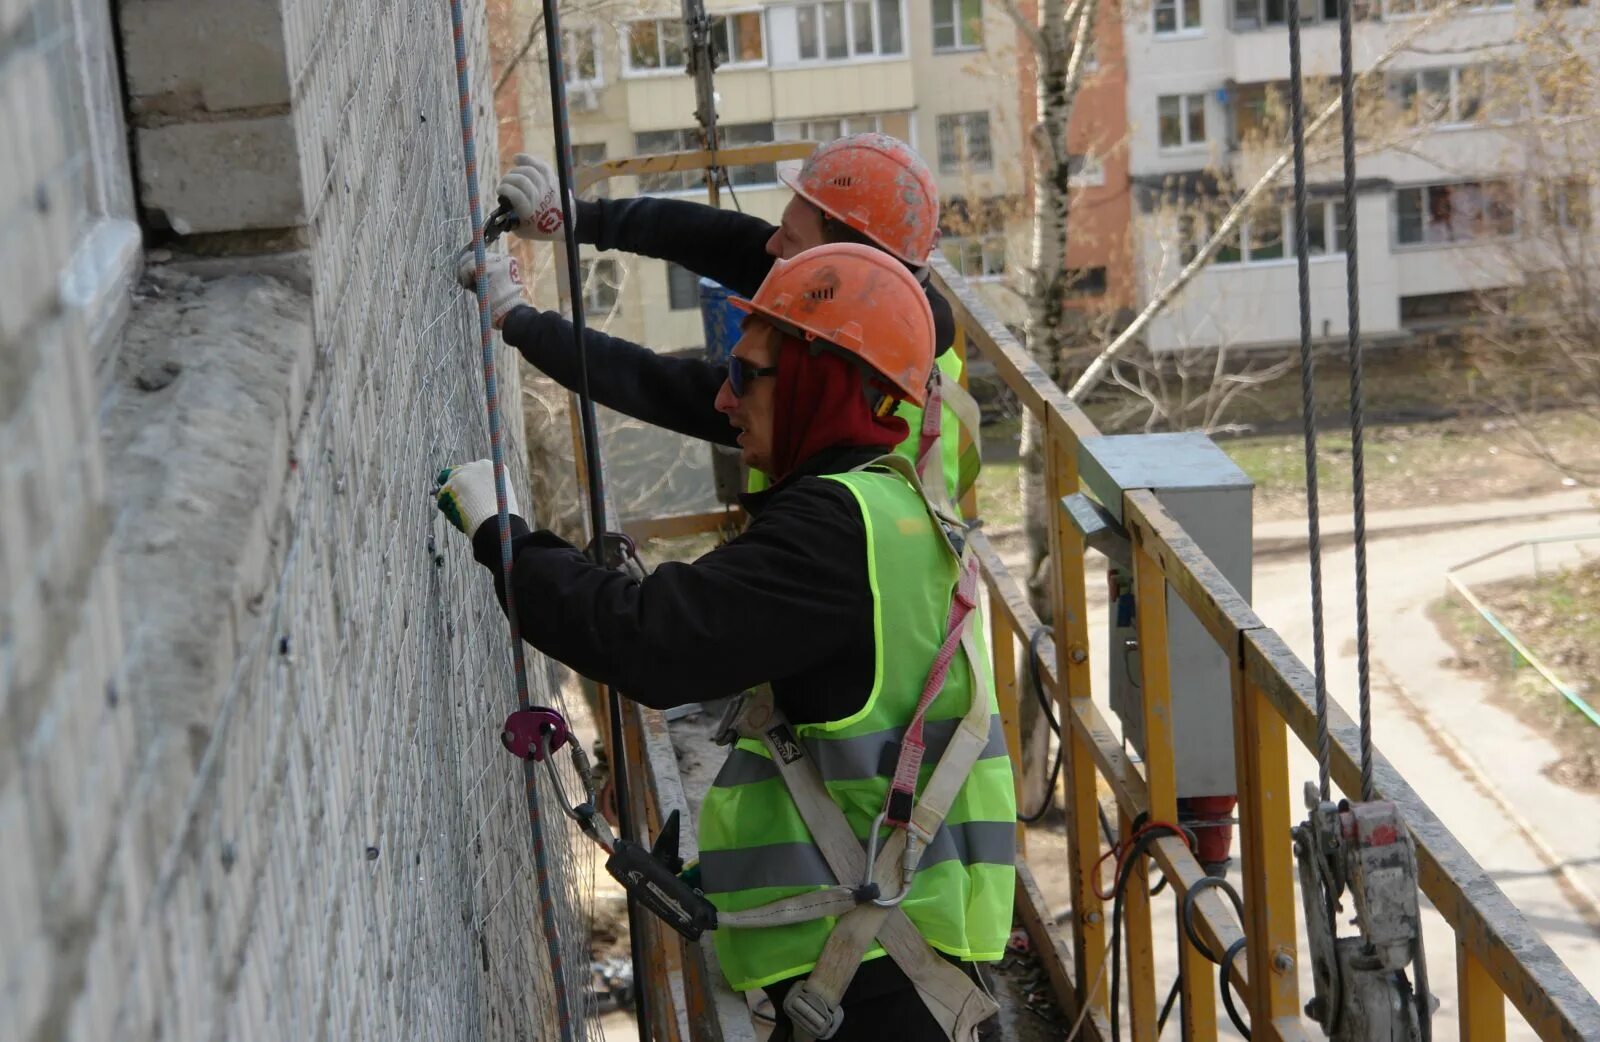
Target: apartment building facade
<point>1447,189</point>
<point>940,74</point>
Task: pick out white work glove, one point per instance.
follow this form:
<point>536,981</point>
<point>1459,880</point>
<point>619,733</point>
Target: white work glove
<point>466,495</point>
<point>505,281</point>
<point>532,189</point>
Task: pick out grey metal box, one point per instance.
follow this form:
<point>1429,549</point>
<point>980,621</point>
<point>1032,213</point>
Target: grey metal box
<point>1210,497</point>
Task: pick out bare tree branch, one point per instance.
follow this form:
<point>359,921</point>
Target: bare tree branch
<point>1096,371</point>
<point>535,30</point>
<point>1025,25</point>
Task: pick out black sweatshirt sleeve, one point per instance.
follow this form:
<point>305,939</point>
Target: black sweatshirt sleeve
<point>724,245</point>
<point>674,392</point>
<point>791,592</point>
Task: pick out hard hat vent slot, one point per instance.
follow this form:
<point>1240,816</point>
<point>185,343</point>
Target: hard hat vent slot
<point>842,181</point>
<point>820,293</point>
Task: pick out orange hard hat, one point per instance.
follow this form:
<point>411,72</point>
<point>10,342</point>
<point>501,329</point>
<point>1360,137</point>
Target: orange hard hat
<point>877,185</point>
<point>859,301</point>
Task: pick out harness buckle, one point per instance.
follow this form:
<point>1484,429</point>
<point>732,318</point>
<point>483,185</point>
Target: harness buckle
<point>812,1013</point>
<point>727,731</point>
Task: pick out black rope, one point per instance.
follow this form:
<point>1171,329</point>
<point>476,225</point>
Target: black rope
<point>1308,402</point>
<point>591,459</point>
<point>1036,680</point>
<point>1227,986</point>
<point>1357,453</point>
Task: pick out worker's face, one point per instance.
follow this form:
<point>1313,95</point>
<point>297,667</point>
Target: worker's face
<point>752,412</point>
<point>800,229</point>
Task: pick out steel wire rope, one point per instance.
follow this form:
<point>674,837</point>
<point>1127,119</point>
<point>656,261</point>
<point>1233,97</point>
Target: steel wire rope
<point>491,392</point>
<point>1308,399</point>
<point>1347,129</point>
<point>592,466</point>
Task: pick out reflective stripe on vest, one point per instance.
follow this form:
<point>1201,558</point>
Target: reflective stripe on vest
<point>949,364</point>
<point>754,847</point>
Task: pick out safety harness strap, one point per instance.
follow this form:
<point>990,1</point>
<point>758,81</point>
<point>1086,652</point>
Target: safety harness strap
<point>945,393</point>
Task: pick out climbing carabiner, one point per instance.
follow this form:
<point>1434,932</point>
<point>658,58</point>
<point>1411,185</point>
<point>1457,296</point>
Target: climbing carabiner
<point>538,733</point>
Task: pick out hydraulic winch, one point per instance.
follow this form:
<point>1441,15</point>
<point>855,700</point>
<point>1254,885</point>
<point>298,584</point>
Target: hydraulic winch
<point>650,876</point>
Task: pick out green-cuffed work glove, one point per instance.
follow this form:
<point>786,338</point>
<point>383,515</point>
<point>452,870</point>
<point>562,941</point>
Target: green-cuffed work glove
<point>466,495</point>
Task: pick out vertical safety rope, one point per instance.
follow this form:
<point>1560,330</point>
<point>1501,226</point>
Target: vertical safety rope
<point>1308,397</point>
<point>1357,453</point>
<point>491,392</point>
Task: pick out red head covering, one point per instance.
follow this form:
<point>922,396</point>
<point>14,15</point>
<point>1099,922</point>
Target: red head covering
<point>819,404</point>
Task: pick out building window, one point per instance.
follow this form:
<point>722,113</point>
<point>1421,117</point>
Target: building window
<point>1086,282</point>
<point>1427,97</point>
<point>1567,204</point>
<point>1181,120</point>
<point>964,142</point>
<point>591,156</point>
<point>825,130</point>
<point>1469,211</point>
<point>602,283</point>
<point>977,256</point>
<point>958,24</point>
<point>658,44</point>
<point>1085,171</point>
<point>1177,16</point>
<point>1401,8</point>
<point>1267,235</point>
<point>581,61</point>
<point>838,30</point>
<point>683,288</point>
<point>655,142</point>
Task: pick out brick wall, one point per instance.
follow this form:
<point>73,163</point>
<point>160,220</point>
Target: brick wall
<point>250,683</point>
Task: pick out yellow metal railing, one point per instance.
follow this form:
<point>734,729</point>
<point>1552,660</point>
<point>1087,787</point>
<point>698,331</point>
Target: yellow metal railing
<point>1499,955</point>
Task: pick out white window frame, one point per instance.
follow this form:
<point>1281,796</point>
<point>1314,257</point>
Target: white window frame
<point>1425,188</point>
<point>725,17</point>
<point>1423,8</point>
<point>1181,27</point>
<point>990,244</point>
<point>569,42</point>
<point>852,57</point>
<point>1452,118</point>
<point>1184,104</point>
<point>631,71</point>
<point>1332,249</point>
<point>611,284</point>
<point>957,25</point>
<point>962,119</point>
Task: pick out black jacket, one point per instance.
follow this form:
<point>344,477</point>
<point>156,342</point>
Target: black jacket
<point>671,392</point>
<point>788,601</point>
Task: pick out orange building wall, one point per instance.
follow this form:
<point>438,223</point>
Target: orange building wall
<point>1099,218</point>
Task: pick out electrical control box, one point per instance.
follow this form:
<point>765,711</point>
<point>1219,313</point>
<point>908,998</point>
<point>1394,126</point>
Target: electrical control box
<point>1210,497</point>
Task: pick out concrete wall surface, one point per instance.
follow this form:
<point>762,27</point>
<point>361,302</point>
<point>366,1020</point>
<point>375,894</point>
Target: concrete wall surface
<point>251,683</point>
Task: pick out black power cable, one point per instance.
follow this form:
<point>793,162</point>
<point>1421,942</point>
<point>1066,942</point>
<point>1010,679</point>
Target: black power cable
<point>1186,920</point>
<point>1036,680</point>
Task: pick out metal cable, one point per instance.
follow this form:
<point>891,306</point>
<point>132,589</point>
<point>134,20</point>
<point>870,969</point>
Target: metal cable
<point>1357,455</point>
<point>1308,397</point>
<point>592,465</point>
<point>547,906</point>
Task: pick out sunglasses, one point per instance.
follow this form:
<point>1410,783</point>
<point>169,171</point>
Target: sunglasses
<point>740,373</point>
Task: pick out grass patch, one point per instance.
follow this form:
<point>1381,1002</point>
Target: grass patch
<point>1557,616</point>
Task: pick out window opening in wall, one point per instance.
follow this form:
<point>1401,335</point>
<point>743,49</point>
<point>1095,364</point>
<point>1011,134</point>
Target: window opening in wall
<point>1567,203</point>
<point>657,44</point>
<point>958,24</point>
<point>964,142</point>
<point>1267,235</point>
<point>592,155</point>
<point>976,256</point>
<point>602,283</point>
<point>1468,211</point>
<point>1086,282</point>
<point>1085,171</point>
<point>683,288</point>
<point>582,58</point>
<point>1440,96</point>
<point>1403,8</point>
<point>655,142</point>
<point>737,38</point>
<point>837,30</point>
<point>1181,120</point>
<point>1176,16</point>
